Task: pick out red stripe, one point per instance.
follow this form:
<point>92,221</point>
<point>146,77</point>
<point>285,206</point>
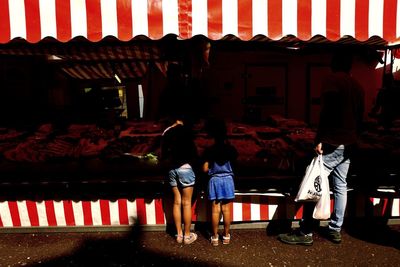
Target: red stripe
<point>264,208</point>
<point>93,14</point>
<point>246,208</point>
<point>123,211</point>
<point>194,210</point>
<point>124,18</point>
<point>141,211</point>
<point>361,20</point>
<point>389,20</point>
<point>14,213</point>
<point>275,19</point>
<point>50,213</point>
<point>69,213</point>
<point>63,20</point>
<point>155,18</point>
<point>5,31</point>
<point>214,19</point>
<point>304,19</point>
<point>105,212</point>
<point>299,212</point>
<point>385,207</point>
<point>159,211</point>
<point>245,19</point>
<point>1,222</point>
<point>333,19</point>
<point>87,213</point>
<point>32,212</point>
<point>185,18</point>
<point>32,15</point>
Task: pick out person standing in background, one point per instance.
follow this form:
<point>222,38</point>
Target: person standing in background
<point>341,117</point>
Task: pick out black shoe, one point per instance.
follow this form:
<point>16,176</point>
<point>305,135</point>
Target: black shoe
<point>331,235</point>
<point>296,238</point>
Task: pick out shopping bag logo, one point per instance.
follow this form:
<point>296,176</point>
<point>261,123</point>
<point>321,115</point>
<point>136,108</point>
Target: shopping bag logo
<point>317,184</point>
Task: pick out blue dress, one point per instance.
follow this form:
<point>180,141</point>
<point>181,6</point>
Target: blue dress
<point>221,185</point>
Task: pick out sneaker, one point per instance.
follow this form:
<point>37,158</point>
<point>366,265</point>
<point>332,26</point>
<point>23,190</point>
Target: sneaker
<point>214,241</point>
<point>296,238</point>
<point>333,236</point>
<point>189,239</point>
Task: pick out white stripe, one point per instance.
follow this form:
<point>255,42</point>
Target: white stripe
<point>78,213</point>
<point>96,212</point>
<point>289,17</point>
<point>17,18</point>
<point>41,210</point>
<point>5,214</point>
<point>199,17</point>
<point>255,208</point>
<point>318,17</point>
<point>260,17</point>
<point>150,212</point>
<point>109,22</point>
<point>48,25</point>
<point>375,18</point>
<point>59,212</point>
<point>114,213</point>
<point>23,213</point>
<point>170,17</point>
<point>229,17</point>
<point>78,18</point>
<point>396,207</point>
<point>132,212</point>
<point>271,211</point>
<point>347,17</point>
<point>237,212</point>
<point>140,24</point>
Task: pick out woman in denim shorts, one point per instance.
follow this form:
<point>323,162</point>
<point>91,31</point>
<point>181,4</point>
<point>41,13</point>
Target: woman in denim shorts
<point>179,150</point>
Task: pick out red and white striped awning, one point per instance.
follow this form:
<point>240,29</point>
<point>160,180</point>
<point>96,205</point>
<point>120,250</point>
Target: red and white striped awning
<point>34,20</point>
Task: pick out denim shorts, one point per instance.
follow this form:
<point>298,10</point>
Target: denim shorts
<point>182,176</point>
<point>221,188</point>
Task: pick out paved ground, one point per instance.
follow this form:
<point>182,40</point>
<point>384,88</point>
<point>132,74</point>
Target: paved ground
<point>364,244</point>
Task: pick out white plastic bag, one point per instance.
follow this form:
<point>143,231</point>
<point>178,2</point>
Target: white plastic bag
<point>311,185</point>
<point>315,187</point>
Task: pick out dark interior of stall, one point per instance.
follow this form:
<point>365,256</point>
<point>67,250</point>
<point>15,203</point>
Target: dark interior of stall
<point>85,119</point>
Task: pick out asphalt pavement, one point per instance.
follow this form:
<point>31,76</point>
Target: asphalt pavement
<point>364,244</point>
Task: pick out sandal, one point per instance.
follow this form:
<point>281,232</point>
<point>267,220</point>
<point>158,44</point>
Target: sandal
<point>226,239</point>
<point>214,241</point>
<point>179,238</point>
<point>189,239</point>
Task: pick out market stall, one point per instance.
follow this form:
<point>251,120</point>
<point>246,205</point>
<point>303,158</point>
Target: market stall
<point>99,40</point>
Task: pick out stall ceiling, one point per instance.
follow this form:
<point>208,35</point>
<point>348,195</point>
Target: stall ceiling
<point>76,32</point>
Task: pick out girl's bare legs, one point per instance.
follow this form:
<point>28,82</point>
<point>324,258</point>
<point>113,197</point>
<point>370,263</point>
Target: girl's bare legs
<point>187,193</point>
<point>176,210</point>
<point>215,217</point>
<point>226,213</point>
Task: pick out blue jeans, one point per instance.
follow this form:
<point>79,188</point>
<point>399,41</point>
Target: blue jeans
<point>337,163</point>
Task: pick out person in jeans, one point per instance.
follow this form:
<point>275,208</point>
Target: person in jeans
<point>179,151</point>
<point>342,108</point>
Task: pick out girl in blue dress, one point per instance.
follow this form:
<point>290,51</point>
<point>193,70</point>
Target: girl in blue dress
<point>218,161</point>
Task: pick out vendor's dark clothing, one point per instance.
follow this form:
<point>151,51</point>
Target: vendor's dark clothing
<point>342,107</point>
